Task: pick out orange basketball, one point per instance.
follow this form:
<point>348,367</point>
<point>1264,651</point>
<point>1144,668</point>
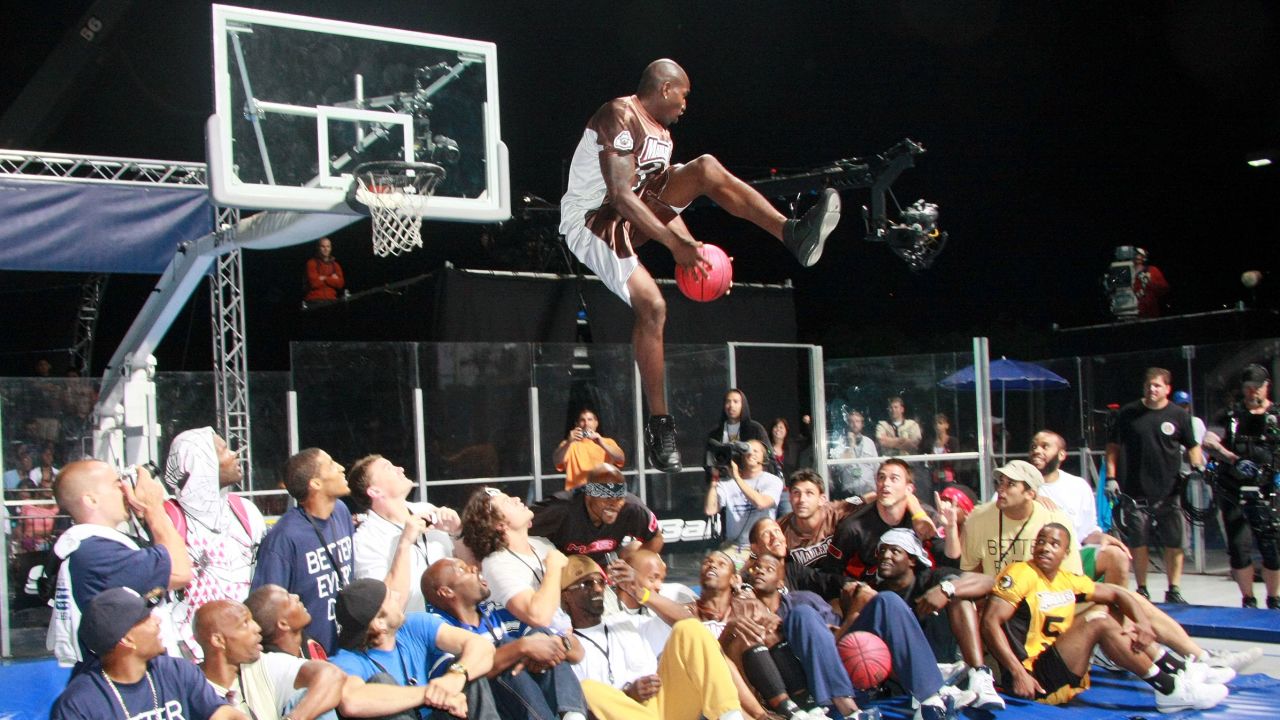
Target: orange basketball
<point>866,659</point>
<point>717,281</point>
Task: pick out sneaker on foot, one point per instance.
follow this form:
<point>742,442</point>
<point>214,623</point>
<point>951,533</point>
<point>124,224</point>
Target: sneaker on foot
<point>1273,602</point>
<point>1101,660</point>
<point>660,441</point>
<point>984,686</point>
<point>1198,672</point>
<point>1248,601</point>
<point>1174,596</point>
<point>1235,659</point>
<point>955,698</point>
<point>1142,590</point>
<point>809,233</point>
<point>1190,696</point>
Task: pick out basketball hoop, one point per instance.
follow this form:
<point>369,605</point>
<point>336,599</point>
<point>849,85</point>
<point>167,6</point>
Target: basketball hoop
<point>396,194</point>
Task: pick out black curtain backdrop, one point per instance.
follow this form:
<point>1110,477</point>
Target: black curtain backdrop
<point>476,307</point>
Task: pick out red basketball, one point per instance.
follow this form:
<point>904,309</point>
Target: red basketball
<point>866,659</point>
<point>717,281</point>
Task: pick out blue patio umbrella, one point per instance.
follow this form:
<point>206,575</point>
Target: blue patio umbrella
<point>1007,375</point>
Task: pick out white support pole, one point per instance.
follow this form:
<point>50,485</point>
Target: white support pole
<point>291,418</point>
<point>982,387</point>
<point>733,364</point>
<point>818,413</point>
<point>642,457</point>
<point>535,443</point>
<point>1197,531</point>
<point>420,442</point>
<point>140,426</point>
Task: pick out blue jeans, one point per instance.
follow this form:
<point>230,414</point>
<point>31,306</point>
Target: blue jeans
<point>888,616</point>
<point>815,647</point>
<point>539,696</point>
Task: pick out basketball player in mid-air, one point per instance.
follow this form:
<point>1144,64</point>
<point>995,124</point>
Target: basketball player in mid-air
<point>624,191</point>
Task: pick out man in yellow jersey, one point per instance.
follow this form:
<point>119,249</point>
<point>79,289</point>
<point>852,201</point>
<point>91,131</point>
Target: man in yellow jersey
<point>1030,626</point>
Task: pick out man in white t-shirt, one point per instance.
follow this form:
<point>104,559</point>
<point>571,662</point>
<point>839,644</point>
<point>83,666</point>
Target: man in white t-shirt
<point>1103,556</point>
<point>523,572</point>
<point>691,679</point>
<point>380,489</point>
<point>750,495</point>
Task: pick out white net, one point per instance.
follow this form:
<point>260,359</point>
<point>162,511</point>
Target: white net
<point>396,195</point>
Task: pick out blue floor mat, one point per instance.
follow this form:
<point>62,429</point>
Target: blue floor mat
<point>30,687</point>
<point>1120,696</point>
<point>1258,626</point>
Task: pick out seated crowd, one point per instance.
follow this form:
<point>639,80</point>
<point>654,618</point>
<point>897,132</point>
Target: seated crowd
<point>562,610</point>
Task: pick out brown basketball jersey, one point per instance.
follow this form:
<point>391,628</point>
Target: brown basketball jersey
<point>622,127</point>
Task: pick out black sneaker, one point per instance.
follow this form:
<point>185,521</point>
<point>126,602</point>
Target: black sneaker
<point>1249,601</point>
<point>1142,590</point>
<point>660,441</point>
<point>1273,602</point>
<point>806,236</point>
<point>1174,597</point>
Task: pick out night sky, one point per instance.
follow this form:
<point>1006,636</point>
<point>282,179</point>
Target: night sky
<point>1055,131</point>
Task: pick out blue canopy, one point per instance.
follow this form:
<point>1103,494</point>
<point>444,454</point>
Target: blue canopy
<point>1008,375</point>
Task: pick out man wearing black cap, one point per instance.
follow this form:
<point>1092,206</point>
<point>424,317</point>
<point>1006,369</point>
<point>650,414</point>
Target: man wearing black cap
<point>1144,454</point>
<point>128,675</point>
<point>594,519</point>
<point>378,639</point>
<point>1249,441</point>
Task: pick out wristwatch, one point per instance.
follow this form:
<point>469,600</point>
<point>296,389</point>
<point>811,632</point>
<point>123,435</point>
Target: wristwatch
<point>460,669</point>
<point>948,588</point>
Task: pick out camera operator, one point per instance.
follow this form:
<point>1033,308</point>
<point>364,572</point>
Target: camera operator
<point>1149,285</point>
<point>750,495</point>
<point>1144,455</point>
<point>1247,447</point>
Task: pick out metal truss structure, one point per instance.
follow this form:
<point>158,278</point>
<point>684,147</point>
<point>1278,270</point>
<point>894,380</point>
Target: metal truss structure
<point>102,169</point>
<point>230,349</point>
<point>91,291</point>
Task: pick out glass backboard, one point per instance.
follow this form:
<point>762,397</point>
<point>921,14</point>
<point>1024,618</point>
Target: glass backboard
<point>300,102</point>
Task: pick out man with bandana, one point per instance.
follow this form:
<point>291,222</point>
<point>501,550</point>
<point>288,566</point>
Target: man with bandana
<point>594,519</point>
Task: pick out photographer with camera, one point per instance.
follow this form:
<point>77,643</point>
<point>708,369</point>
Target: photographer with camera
<point>96,556</point>
<point>1247,446</point>
<point>584,448</point>
<point>750,494</point>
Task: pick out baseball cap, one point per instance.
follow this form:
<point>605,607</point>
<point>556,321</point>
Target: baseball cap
<point>358,604</point>
<point>1022,471</point>
<point>1254,374</point>
<point>1181,397</point>
<point>578,567</point>
<point>110,616</point>
<point>958,494</point>
<point>907,540</point>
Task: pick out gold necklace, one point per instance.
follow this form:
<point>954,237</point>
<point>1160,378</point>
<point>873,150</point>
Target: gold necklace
<point>155,697</point>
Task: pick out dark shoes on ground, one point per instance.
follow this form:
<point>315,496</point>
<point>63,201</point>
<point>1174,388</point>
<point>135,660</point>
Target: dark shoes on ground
<point>660,441</point>
<point>1174,596</point>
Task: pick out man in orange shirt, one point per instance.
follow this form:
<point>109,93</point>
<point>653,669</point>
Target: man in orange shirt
<point>585,448</point>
